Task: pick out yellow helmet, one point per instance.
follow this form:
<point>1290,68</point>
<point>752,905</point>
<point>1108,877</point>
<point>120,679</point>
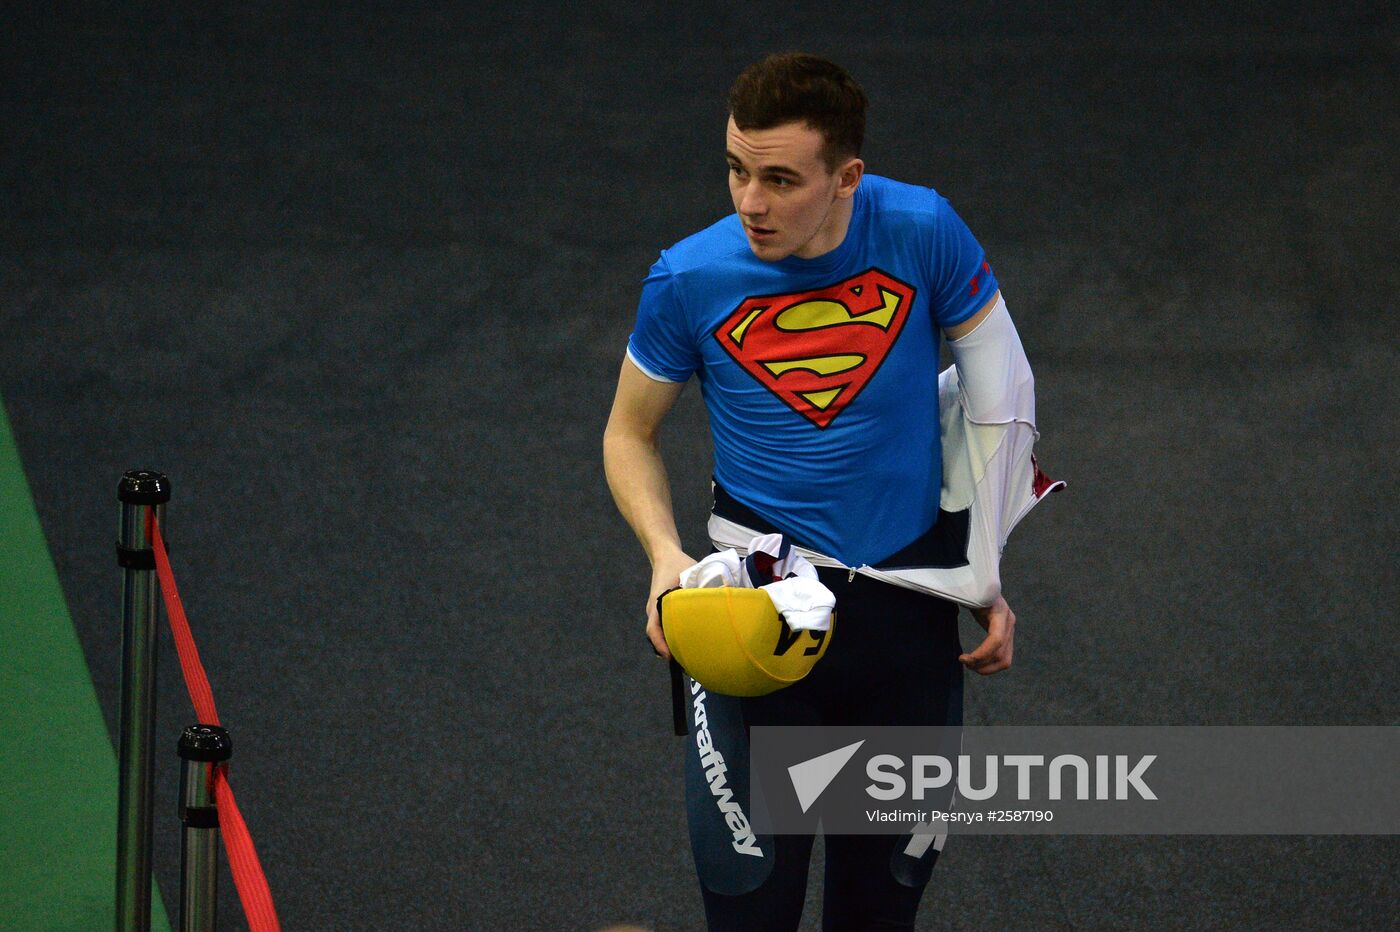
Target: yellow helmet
<point>733,641</point>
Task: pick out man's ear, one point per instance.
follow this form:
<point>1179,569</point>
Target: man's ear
<point>850,174</point>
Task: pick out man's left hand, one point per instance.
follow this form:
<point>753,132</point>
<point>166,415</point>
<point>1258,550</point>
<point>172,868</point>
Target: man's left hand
<point>994,653</point>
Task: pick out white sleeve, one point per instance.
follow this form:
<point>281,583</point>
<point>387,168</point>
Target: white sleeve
<point>996,380</point>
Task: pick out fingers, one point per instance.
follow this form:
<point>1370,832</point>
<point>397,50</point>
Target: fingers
<point>655,635</point>
<point>991,656</point>
<point>665,575</point>
<point>995,652</point>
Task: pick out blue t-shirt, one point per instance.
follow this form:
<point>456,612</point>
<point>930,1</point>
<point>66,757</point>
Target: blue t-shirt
<point>821,375</point>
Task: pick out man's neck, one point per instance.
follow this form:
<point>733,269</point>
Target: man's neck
<point>832,232</point>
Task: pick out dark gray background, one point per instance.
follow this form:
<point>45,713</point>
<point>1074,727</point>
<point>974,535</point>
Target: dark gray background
<point>359,281</point>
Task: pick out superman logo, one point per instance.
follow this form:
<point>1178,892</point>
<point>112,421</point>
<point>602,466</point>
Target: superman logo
<point>817,349</point>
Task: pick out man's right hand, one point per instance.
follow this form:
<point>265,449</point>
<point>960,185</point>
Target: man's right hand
<point>665,574</point>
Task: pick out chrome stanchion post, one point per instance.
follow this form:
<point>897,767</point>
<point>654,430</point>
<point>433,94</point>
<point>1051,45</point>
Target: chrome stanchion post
<point>202,748</point>
<point>139,492</point>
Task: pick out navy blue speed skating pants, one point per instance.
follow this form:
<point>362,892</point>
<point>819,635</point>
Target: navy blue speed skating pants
<point>893,660</point>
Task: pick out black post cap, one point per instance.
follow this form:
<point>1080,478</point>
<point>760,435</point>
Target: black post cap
<point>143,487</point>
<point>206,743</point>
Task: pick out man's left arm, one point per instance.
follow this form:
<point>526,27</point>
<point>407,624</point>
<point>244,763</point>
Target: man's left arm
<point>990,361</point>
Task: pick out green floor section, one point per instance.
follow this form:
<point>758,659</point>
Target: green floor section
<point>58,771</point>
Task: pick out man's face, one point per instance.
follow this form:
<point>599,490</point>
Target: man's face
<point>788,200</point>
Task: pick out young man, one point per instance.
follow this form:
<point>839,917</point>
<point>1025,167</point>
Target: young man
<point>811,317</point>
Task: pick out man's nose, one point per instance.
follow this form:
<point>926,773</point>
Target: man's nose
<point>752,203</point>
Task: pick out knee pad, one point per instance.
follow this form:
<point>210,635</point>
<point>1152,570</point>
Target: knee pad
<point>730,857</point>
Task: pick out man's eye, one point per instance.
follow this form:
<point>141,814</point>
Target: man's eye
<point>735,170</point>
<point>782,182</point>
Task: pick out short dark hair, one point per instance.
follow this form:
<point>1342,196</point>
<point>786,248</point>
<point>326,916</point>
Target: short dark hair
<point>793,87</point>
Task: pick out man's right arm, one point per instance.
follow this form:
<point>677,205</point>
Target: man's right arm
<point>637,478</point>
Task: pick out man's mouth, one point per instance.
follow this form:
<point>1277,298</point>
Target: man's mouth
<point>761,232</point>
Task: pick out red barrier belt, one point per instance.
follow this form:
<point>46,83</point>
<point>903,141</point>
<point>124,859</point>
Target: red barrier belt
<point>248,874</point>
<point>243,861</point>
